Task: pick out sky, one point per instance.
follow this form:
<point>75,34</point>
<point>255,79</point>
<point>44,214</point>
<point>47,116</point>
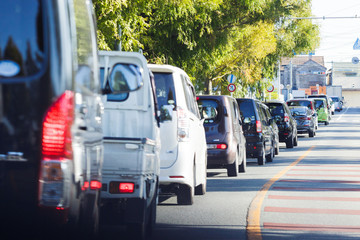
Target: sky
<point>337,35</point>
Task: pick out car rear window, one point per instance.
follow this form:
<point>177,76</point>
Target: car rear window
<point>247,109</point>
<point>276,109</point>
<point>335,99</point>
<point>298,110</point>
<point>319,104</point>
<point>300,103</point>
<point>165,90</point>
<point>209,110</point>
<point>21,40</point>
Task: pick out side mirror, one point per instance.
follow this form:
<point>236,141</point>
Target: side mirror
<point>124,78</point>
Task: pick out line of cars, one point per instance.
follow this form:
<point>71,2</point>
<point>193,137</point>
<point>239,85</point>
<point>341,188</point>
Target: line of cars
<point>93,138</point>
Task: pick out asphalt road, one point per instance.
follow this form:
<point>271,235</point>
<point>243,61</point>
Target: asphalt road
<point>309,192</point>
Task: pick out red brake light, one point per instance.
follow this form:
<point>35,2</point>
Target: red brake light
<point>95,185</point>
<point>221,146</point>
<point>258,126</point>
<point>56,138</point>
<point>126,187</point>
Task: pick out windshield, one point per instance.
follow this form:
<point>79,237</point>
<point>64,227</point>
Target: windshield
<point>21,47</point>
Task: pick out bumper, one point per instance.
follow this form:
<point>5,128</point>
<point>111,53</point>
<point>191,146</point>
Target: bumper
<point>219,158</point>
<point>254,150</point>
<point>284,136</point>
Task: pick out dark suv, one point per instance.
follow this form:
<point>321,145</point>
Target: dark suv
<point>257,130</point>
<point>50,118</point>
<point>224,135</point>
<point>285,121</point>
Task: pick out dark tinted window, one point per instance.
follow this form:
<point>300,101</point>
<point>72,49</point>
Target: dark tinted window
<point>21,38</point>
<point>319,104</point>
<point>165,91</point>
<point>276,109</point>
<point>209,110</point>
<point>300,103</point>
<point>247,109</point>
<point>335,99</point>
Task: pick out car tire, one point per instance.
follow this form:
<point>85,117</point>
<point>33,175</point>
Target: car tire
<point>261,159</point>
<point>270,156</point>
<point>290,143</point>
<point>295,141</point>
<point>327,123</point>
<point>185,195</point>
<point>233,168</point>
<point>277,149</point>
<point>311,133</point>
<point>242,166</point>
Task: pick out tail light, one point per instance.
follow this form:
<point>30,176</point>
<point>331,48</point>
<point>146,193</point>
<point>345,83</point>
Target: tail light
<point>183,125</point>
<point>286,118</point>
<point>221,146</point>
<point>308,118</point>
<point>55,167</point>
<point>258,126</point>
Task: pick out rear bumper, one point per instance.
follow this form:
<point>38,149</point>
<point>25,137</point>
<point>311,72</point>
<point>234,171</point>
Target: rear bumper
<point>284,136</point>
<point>218,158</point>
<point>254,149</point>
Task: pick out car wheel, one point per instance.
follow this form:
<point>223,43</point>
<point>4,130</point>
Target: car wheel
<point>326,123</point>
<point>270,156</point>
<point>311,133</point>
<point>277,149</point>
<point>242,166</point>
<point>296,141</point>
<point>185,195</point>
<point>290,143</point>
<point>261,159</point>
<point>233,168</point>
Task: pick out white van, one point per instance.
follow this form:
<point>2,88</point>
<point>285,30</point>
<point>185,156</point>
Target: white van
<point>183,155</point>
<point>131,165</point>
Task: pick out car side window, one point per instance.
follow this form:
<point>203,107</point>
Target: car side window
<point>190,97</point>
<point>85,45</point>
<point>262,115</point>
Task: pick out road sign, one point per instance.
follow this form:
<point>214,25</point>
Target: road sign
<point>231,87</point>
<point>270,88</point>
<point>231,78</point>
<point>357,44</point>
<point>355,60</point>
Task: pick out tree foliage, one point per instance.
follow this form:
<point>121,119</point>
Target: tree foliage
<point>210,39</point>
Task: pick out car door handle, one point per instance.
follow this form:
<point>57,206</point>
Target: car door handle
<point>84,128</point>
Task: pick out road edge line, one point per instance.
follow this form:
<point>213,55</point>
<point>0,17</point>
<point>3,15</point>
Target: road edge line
<point>253,228</point>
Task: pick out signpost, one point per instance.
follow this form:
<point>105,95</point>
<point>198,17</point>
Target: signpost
<point>270,88</point>
<point>231,87</point>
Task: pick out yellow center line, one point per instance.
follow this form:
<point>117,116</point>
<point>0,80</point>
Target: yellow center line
<point>253,228</point>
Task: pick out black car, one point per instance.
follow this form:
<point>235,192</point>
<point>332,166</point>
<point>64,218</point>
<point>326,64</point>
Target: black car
<point>285,121</point>
<point>257,130</point>
<point>50,118</point>
<point>304,120</point>
<point>226,144</point>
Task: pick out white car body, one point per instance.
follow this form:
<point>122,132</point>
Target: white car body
<point>183,155</point>
<point>131,146</point>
